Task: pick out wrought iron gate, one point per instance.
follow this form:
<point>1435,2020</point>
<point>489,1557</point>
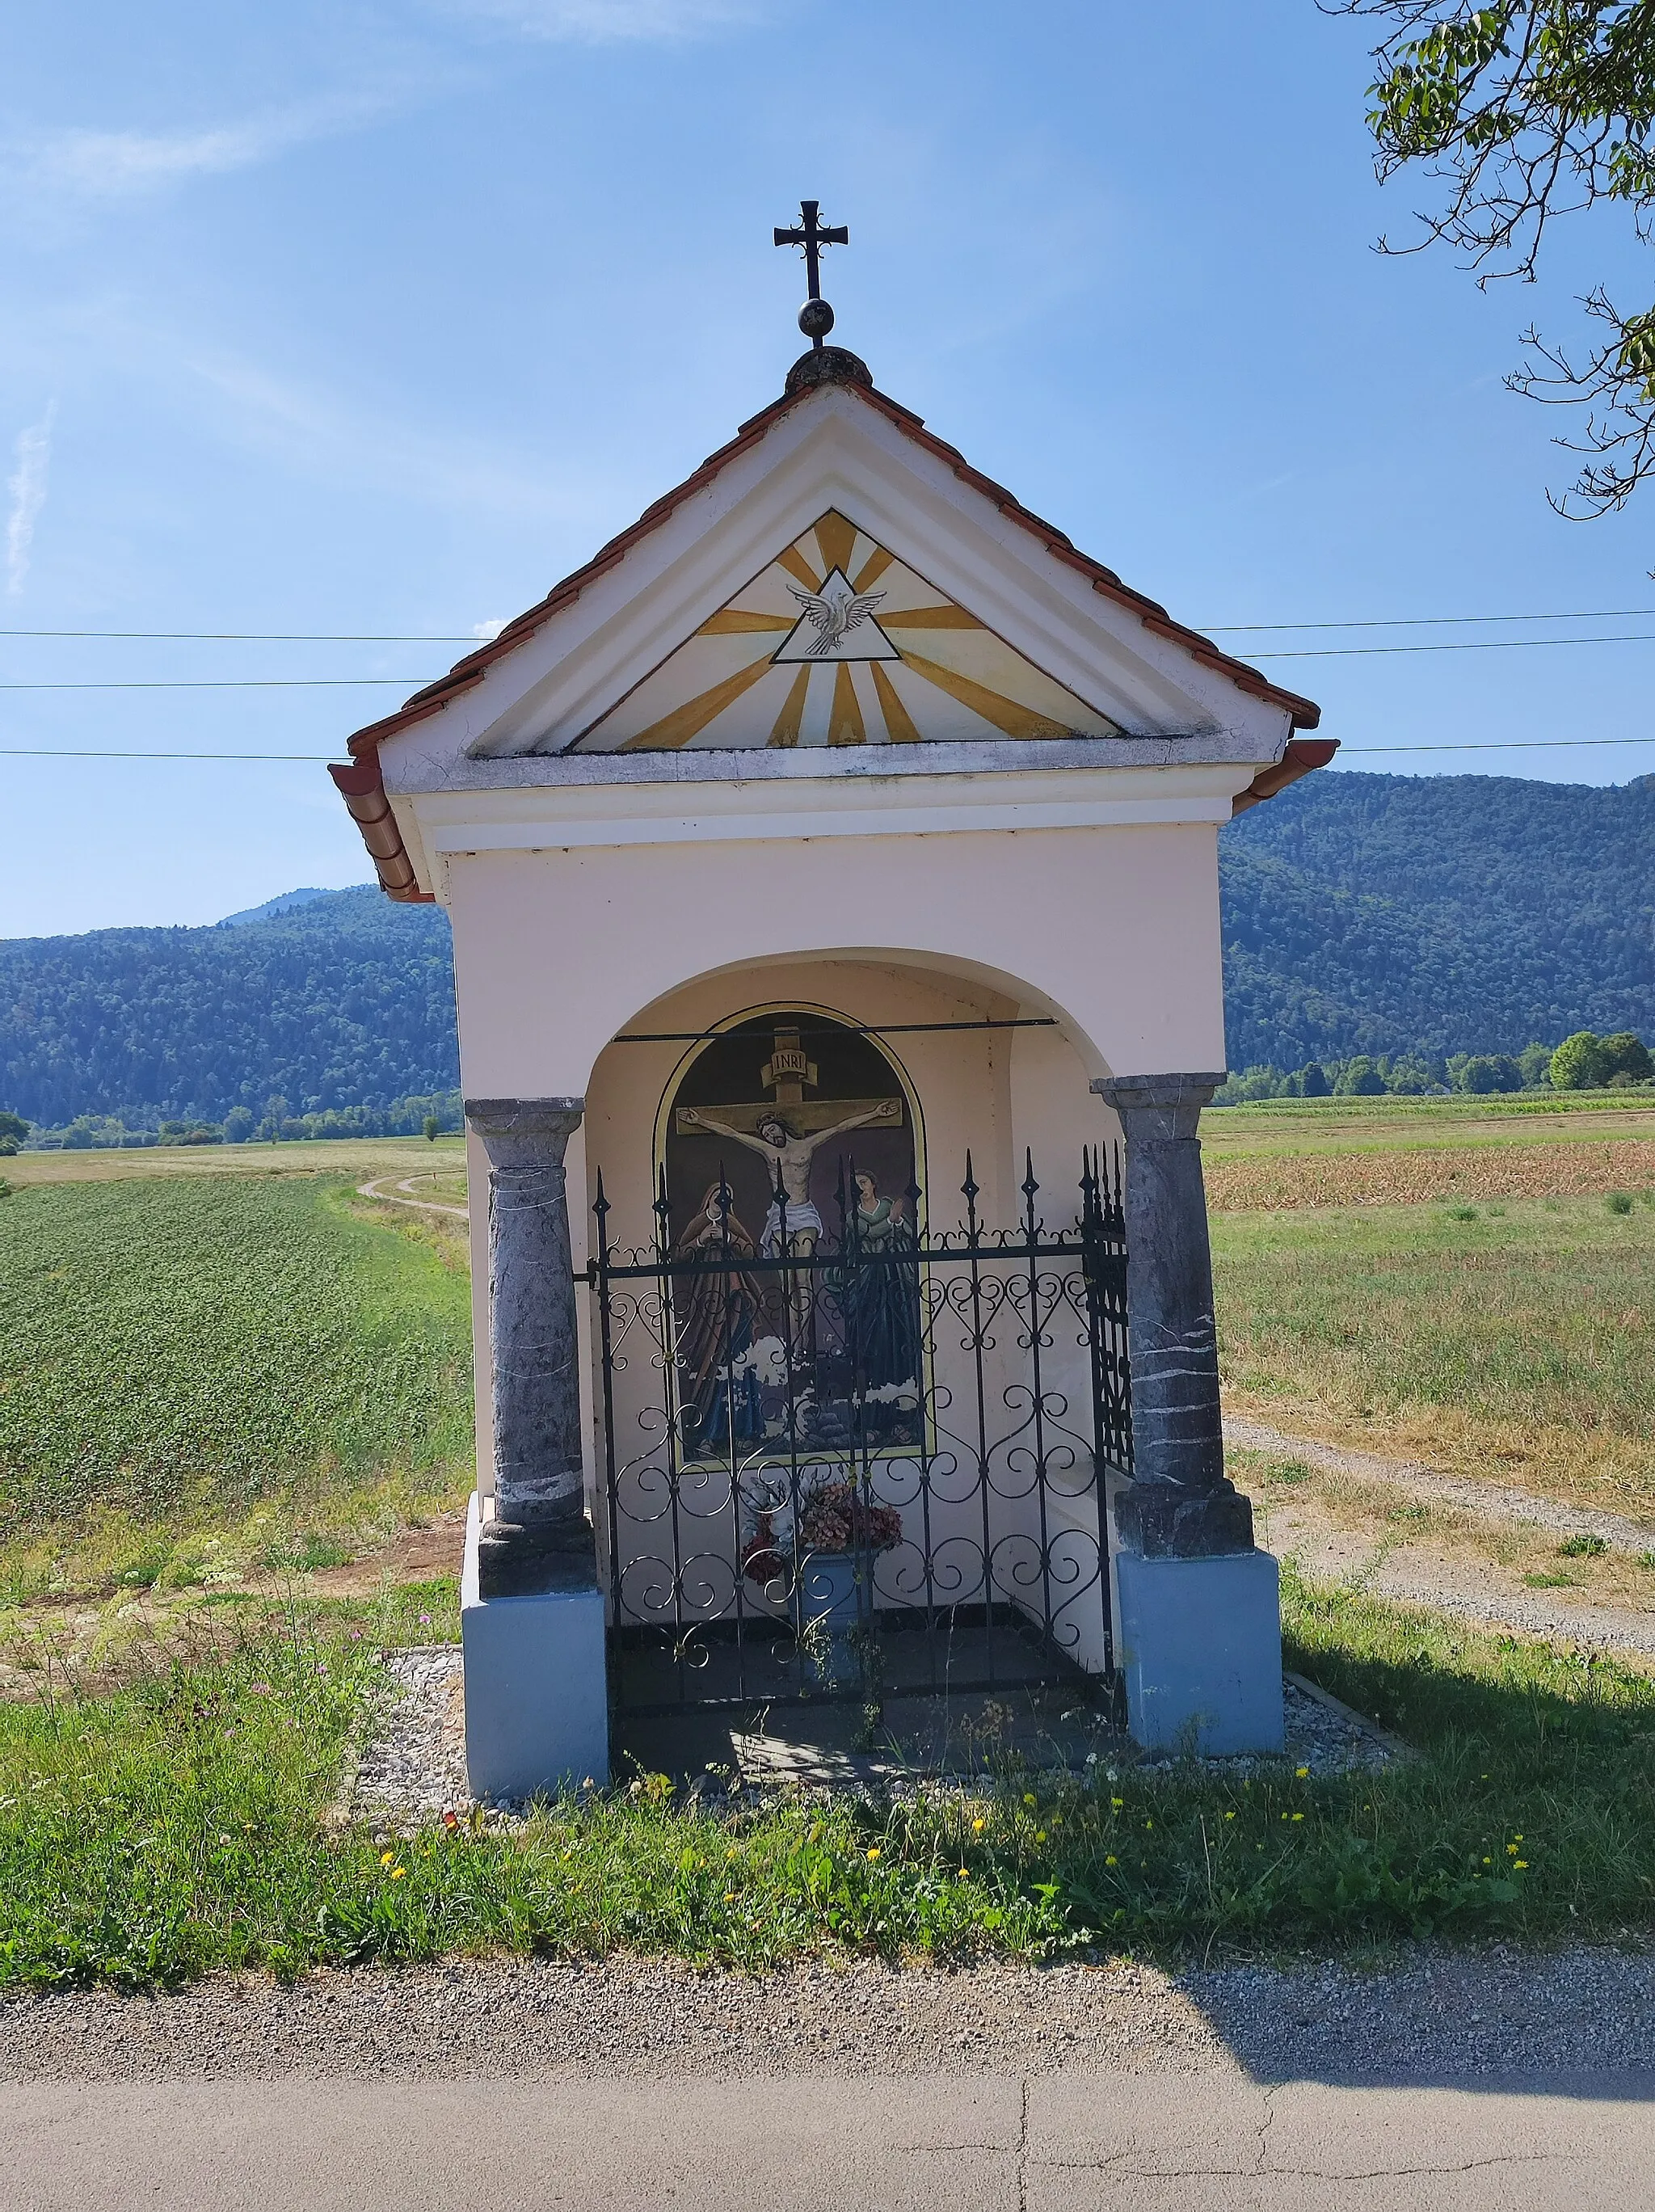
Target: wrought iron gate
<point>838,1463</point>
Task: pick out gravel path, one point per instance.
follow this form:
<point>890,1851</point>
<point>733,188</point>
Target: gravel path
<point>1428,2014</point>
<point>1409,1571</point>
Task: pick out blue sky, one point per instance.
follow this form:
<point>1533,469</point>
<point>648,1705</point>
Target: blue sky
<point>340,317</point>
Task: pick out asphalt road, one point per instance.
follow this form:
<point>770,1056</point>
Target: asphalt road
<point>1129,2142</point>
<point>1429,2079</point>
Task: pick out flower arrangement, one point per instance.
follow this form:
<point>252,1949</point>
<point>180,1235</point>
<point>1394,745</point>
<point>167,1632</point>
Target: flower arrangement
<point>839,1518</point>
<point>835,1518</point>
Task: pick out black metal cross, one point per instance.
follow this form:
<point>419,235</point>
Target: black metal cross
<point>810,234</point>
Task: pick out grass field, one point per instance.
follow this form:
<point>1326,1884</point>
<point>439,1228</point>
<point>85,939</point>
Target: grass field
<point>1510,1342</point>
<point>176,1824</point>
<point>357,1157</point>
<point>196,1369</point>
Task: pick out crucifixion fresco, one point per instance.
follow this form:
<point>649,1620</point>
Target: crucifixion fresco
<point>803,1153</point>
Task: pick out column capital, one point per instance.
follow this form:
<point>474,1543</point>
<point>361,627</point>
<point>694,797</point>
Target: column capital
<point>525,1133</point>
<point>1179,1098</point>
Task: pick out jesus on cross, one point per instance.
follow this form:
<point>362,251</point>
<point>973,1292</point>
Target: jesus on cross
<point>789,1156</point>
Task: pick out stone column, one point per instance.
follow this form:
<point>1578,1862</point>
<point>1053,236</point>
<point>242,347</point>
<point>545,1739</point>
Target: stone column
<point>539,1538</point>
<point>1179,1505</point>
<point>1198,1619</point>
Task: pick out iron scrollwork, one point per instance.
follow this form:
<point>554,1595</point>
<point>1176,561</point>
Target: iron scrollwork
<point>813,1447</point>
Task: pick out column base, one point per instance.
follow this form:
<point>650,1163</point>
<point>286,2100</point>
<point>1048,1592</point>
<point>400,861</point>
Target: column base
<point>536,1685</point>
<point>1200,1648</point>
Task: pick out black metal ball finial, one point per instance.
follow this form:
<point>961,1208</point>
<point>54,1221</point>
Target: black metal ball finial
<point>816,319</point>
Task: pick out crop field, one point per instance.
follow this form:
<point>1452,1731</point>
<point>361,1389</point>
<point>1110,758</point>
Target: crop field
<point>1510,1342</point>
<point>191,1367</point>
<point>1393,1151</point>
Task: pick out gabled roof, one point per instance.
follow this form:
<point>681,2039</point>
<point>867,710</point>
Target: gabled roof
<point>360,783</point>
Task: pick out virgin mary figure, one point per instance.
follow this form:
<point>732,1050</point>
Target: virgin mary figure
<point>881,1293</point>
<point>719,1312</point>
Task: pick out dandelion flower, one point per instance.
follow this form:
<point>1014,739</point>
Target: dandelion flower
<point>1301,1771</point>
<point>397,1873</point>
<point>1111,1860</point>
<point>1039,1835</point>
<point>1149,1824</point>
<point>387,1858</point>
<point>1027,1797</point>
<point>964,1874</point>
<point>1298,1816</point>
<point>1229,1816</point>
<point>874,1853</point>
<point>1522,1863</point>
<point>978,1826</point>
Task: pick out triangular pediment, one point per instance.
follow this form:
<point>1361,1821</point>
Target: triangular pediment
<point>837,642</point>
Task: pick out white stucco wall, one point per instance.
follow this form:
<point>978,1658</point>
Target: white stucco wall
<point>1113,930</point>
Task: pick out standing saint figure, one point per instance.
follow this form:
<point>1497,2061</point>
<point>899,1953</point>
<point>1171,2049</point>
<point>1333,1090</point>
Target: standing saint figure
<point>720,1317</point>
<point>880,1289</point>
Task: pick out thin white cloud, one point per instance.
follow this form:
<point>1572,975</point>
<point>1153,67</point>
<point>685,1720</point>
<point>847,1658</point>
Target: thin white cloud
<point>595,22</point>
<point>113,165</point>
<point>488,631</point>
<point>27,486</point>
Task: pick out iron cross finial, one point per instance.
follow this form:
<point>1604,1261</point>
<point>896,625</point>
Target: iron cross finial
<point>816,316</point>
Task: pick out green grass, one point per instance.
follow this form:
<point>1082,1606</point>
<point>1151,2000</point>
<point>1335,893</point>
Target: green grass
<point>173,1827</point>
<point>1499,1340</point>
<point>172,1352</point>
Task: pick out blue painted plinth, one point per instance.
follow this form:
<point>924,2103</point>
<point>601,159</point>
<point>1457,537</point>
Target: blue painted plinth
<point>536,1691</point>
<point>1200,1646</point>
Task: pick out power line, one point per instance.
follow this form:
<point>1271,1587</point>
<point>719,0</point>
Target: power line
<point>1459,645</point>
<point>233,684</point>
<point>1409,622</point>
<point>427,637</point>
<point>339,683</point>
<point>68,753</point>
<point>285,637</point>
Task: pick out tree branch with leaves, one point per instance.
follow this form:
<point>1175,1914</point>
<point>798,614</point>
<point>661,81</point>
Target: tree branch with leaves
<point>1528,112</point>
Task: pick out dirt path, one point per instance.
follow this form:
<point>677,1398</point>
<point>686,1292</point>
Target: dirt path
<point>1395,1559</point>
<point>377,1190</point>
<point>1493,1499</point>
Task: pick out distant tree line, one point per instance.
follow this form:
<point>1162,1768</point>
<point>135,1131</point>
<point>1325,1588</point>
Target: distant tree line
<point>1583,1061</point>
<point>433,1116</point>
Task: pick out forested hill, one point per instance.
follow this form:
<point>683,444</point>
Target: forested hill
<point>343,1000</point>
<point>1376,914</point>
<point>1381,913</point>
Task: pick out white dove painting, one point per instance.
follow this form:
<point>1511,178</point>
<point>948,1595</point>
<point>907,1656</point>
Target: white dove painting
<point>839,642</point>
<point>837,624</point>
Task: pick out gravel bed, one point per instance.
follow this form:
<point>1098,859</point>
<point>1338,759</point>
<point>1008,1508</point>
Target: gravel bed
<point>411,1765</point>
<point>1422,2014</point>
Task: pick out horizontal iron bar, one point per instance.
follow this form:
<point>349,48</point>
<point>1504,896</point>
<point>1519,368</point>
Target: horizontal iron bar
<point>836,1029</point>
<point>738,1262</point>
<point>1061,1675</point>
